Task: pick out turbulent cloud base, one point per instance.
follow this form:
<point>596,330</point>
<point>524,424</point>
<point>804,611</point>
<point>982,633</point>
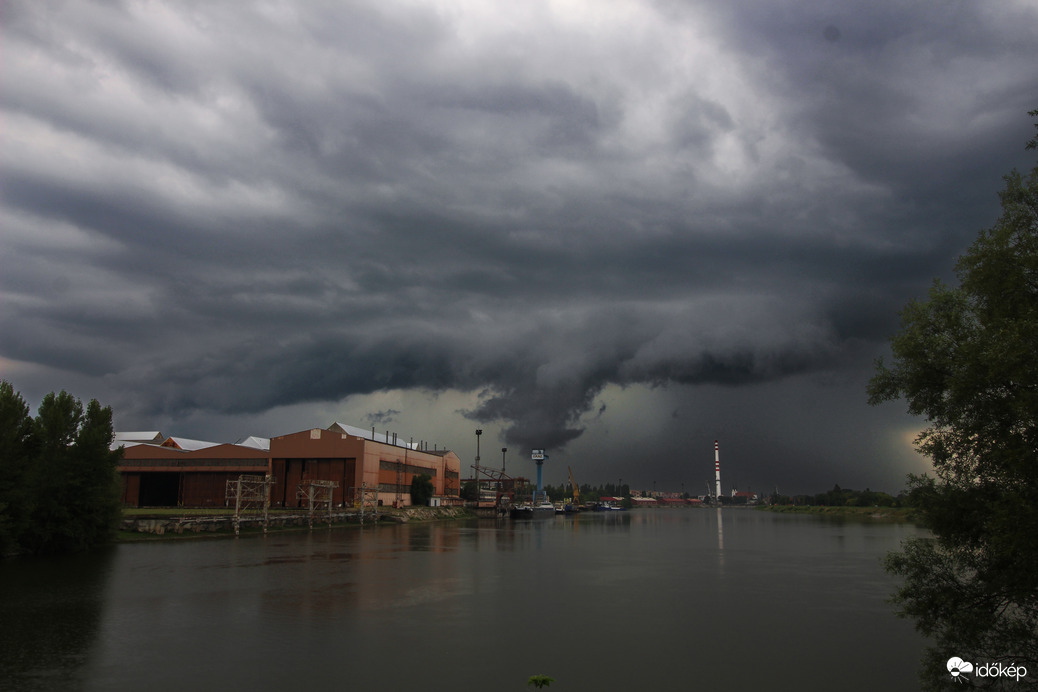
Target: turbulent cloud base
<point>552,213</point>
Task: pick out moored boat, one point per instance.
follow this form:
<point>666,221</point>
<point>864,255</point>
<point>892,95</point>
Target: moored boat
<point>528,511</point>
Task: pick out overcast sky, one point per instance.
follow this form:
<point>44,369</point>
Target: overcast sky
<point>617,230</point>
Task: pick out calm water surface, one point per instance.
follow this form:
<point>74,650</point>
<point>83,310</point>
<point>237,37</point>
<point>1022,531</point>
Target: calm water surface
<point>649,599</point>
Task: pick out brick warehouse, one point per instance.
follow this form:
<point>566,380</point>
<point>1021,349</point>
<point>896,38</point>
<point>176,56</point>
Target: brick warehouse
<point>187,473</point>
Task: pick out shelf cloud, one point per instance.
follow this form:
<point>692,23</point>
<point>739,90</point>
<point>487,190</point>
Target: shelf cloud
<point>566,213</point>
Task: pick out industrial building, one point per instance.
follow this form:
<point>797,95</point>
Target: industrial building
<point>165,475</point>
<point>193,473</point>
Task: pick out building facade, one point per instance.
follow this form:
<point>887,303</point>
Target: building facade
<point>168,475</point>
<point>357,464</point>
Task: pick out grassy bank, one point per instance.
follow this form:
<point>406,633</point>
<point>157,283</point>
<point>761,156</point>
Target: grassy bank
<point>892,514</point>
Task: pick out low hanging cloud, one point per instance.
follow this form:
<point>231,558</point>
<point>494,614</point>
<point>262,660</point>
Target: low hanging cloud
<point>540,377</point>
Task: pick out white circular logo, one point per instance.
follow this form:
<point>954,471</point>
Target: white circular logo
<point>956,666</point>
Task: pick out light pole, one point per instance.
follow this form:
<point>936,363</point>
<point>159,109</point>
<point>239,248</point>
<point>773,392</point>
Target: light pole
<point>501,481</point>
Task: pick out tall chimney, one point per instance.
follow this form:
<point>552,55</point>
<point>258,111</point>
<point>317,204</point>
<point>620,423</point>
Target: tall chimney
<point>717,471</point>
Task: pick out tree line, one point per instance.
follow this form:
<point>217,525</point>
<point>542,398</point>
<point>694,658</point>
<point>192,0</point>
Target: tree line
<point>843,497</point>
<point>59,486</point>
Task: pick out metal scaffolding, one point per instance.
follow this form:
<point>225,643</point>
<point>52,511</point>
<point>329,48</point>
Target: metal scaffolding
<point>317,493</point>
<point>250,493</point>
<point>366,500</point>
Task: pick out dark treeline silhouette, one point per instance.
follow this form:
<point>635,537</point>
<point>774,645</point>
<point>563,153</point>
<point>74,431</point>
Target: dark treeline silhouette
<point>843,497</point>
<point>59,487</point>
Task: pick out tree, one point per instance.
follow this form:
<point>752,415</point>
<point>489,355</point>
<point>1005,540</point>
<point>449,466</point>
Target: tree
<point>421,489</point>
<point>965,360</point>
<point>59,487</point>
<point>15,430</point>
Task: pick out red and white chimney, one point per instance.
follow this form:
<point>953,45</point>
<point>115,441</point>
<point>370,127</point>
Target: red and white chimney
<point>717,471</point>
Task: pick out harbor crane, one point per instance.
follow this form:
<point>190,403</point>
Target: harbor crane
<point>576,489</point>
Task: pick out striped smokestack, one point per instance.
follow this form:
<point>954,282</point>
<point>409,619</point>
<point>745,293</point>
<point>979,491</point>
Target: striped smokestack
<point>717,471</point>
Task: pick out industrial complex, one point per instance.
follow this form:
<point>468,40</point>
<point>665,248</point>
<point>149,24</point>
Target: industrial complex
<point>349,464</point>
<point>341,466</point>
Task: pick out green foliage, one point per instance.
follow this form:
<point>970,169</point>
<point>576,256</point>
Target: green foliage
<point>422,489</point>
<point>965,360</point>
<point>840,497</point>
<point>539,681</point>
<point>15,432</point>
<point>845,497</point>
<point>59,488</point>
<point>470,492</point>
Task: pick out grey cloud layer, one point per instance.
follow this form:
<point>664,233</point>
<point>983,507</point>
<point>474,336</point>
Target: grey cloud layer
<point>234,207</point>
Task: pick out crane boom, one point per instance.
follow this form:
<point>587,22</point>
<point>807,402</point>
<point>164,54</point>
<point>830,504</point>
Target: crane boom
<point>576,489</point>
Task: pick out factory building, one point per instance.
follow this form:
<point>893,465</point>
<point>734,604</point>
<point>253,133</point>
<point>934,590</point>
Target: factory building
<point>193,473</point>
<point>166,475</point>
<point>357,459</point>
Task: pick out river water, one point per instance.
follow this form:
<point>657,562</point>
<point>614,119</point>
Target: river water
<point>669,599</point>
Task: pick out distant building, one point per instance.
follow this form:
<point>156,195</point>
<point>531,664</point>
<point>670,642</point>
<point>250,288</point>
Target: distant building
<point>194,473</point>
<point>169,476</point>
<point>744,497</point>
<point>357,462</point>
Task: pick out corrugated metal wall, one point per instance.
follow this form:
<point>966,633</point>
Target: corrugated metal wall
<point>289,473</point>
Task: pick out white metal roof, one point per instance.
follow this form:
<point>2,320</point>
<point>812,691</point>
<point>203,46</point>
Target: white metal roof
<point>148,436</point>
<point>366,434</point>
<point>130,439</point>
<point>191,445</point>
<point>262,443</point>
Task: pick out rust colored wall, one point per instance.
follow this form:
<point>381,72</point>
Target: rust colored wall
<point>293,453</point>
<point>198,478</point>
<point>170,477</point>
<point>131,489</point>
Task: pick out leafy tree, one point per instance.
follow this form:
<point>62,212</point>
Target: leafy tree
<point>421,489</point>
<point>965,360</point>
<point>15,430</point>
<point>60,488</point>
<point>470,491</point>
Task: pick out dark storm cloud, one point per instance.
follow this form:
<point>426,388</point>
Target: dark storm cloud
<point>231,208</point>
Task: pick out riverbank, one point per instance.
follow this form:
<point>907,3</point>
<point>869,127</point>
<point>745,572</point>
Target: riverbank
<point>166,524</point>
<point>889,514</point>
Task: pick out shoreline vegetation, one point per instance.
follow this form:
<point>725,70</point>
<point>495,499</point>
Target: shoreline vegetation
<point>888,514</point>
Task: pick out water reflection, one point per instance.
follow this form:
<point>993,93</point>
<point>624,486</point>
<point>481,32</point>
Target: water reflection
<point>383,606</point>
<point>50,609</point>
<point>720,541</point>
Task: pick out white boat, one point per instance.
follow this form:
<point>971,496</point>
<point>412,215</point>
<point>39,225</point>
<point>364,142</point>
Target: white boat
<point>541,510</point>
